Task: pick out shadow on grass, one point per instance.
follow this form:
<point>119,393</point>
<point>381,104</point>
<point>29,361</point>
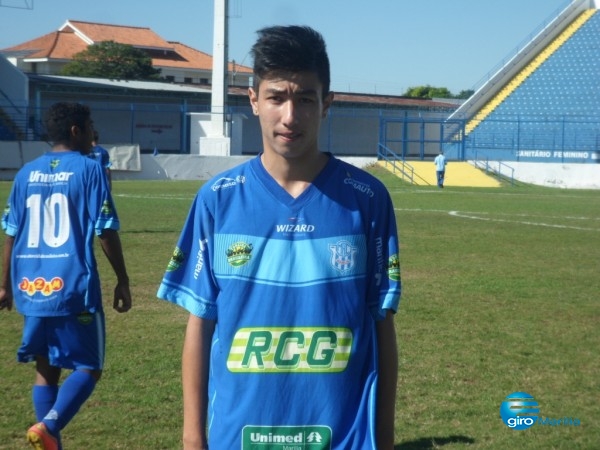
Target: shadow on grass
<point>433,442</point>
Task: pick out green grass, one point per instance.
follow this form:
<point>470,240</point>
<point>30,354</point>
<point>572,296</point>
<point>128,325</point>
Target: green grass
<point>500,295</point>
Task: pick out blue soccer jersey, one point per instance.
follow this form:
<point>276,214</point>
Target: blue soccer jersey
<point>57,204</point>
<point>101,155</point>
<point>296,286</point>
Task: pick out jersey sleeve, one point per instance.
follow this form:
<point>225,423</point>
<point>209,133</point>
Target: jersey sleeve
<point>386,287</point>
<point>10,220</point>
<point>106,159</point>
<point>101,206</point>
<point>188,280</point>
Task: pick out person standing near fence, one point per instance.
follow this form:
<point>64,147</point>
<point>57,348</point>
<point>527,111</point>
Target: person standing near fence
<point>101,155</point>
<point>57,204</point>
<point>440,168</point>
<point>289,267</point>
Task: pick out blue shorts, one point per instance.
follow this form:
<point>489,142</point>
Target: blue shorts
<point>70,342</point>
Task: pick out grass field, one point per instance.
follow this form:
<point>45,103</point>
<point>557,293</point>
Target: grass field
<point>501,294</point>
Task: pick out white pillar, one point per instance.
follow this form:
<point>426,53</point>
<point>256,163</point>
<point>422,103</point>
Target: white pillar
<point>216,142</point>
<point>219,72</point>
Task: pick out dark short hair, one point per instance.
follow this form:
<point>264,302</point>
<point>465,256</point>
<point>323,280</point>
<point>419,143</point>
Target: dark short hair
<point>285,49</point>
<point>60,117</point>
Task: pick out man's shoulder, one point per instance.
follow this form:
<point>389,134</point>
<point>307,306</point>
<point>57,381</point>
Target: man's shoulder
<point>356,172</point>
<point>228,178</point>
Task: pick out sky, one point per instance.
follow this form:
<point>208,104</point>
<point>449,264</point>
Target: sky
<point>375,46</point>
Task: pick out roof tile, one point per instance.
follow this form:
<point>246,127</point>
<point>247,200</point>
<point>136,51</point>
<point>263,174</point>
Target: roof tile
<point>72,37</point>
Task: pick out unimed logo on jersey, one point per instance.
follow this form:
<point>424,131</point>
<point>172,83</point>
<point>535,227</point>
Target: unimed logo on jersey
<point>279,350</point>
<point>310,437</point>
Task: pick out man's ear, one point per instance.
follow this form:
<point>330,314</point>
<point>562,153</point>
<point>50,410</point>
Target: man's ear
<point>75,130</point>
<point>327,102</point>
<point>253,96</point>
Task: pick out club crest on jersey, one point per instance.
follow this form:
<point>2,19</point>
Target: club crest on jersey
<point>239,253</point>
<point>343,256</point>
<point>54,163</point>
<point>394,267</point>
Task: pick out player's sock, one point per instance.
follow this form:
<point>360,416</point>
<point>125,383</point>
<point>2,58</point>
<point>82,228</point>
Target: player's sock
<point>44,397</point>
<point>73,393</point>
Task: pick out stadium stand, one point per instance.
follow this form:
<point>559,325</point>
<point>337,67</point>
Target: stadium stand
<point>548,110</point>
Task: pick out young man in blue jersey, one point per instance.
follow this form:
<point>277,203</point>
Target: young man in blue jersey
<point>101,155</point>
<point>57,204</point>
<point>289,267</point>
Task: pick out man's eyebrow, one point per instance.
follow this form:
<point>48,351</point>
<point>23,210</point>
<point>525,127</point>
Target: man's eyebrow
<point>296,92</point>
<point>306,92</point>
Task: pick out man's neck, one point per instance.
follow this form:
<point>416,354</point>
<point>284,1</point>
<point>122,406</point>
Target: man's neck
<point>294,174</point>
<point>62,148</point>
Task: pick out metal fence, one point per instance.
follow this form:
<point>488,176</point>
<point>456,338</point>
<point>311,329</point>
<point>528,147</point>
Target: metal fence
<point>346,131</point>
<point>534,139</point>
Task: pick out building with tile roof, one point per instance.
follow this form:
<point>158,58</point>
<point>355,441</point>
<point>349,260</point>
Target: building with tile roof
<point>162,115</point>
<point>179,63</point>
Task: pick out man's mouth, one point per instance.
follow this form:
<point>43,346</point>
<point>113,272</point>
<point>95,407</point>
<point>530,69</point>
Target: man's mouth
<point>289,136</point>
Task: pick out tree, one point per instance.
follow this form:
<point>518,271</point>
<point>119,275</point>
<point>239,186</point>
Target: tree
<point>110,59</point>
<point>436,92</point>
<point>465,94</point>
<point>428,92</point>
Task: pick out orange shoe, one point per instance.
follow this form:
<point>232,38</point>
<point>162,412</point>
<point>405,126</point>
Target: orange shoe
<point>40,438</point>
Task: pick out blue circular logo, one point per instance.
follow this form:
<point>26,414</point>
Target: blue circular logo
<point>519,411</point>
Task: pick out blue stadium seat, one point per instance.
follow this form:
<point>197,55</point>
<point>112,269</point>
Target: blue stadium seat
<point>564,88</point>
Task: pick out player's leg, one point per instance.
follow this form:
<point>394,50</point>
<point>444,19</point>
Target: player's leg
<point>78,343</point>
<point>45,388</point>
<point>34,347</point>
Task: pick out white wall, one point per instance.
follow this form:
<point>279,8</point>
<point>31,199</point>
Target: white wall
<point>131,165</point>
<point>568,176</point>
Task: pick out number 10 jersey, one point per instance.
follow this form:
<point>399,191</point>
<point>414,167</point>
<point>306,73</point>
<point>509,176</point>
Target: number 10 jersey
<point>57,203</point>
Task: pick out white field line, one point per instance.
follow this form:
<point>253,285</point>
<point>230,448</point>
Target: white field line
<point>482,216</point>
<point>155,197</point>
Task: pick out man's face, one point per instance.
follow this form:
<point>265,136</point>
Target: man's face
<point>290,108</point>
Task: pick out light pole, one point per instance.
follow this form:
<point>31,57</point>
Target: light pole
<point>219,70</point>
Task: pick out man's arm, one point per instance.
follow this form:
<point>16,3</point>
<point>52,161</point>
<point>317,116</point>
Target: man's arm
<point>6,297</point>
<point>111,245</point>
<point>387,380</point>
<point>194,373</point>
<point>108,178</point>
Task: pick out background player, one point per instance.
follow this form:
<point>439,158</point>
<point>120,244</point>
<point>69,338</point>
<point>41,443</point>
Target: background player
<point>290,272</point>
<point>101,155</point>
<point>440,168</point>
<point>56,205</point>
